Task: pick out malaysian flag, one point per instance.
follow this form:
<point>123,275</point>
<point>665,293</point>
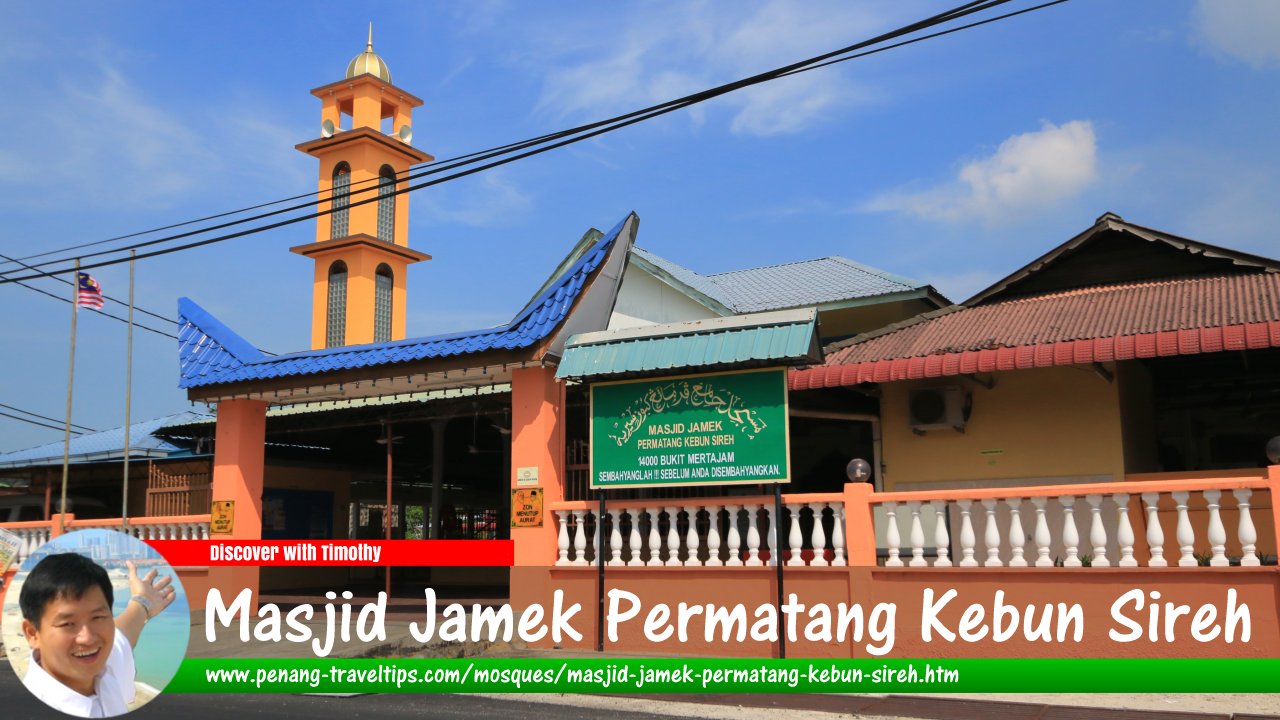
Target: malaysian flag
<point>89,292</point>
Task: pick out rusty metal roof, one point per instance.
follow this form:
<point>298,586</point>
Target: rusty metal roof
<point>1103,323</point>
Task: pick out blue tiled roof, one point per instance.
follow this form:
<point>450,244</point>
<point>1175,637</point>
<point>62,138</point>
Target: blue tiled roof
<point>204,364</point>
<point>798,284</point>
<point>106,444</point>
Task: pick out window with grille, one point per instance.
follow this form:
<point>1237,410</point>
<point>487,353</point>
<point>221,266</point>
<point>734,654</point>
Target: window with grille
<point>387,204</point>
<point>341,199</point>
<point>382,304</point>
<point>336,319</point>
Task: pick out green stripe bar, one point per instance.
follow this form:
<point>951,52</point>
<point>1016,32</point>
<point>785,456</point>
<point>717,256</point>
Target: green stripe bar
<point>724,675</point>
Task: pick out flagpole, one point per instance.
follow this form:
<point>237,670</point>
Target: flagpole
<point>128,397</point>
<point>71,376</point>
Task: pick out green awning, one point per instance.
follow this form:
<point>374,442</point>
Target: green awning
<point>786,337</point>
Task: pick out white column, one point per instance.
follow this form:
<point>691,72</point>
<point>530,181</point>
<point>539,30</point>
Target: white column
<point>735,538</point>
<point>795,539</point>
<point>1185,534</point>
<point>597,538</point>
<point>633,537</point>
<point>917,536</point>
<point>891,536</point>
<point>1097,533</point>
<point>1070,535</point>
<point>771,534</point>
<point>562,538</point>
<point>818,539</point>
<point>655,540</point>
<point>1247,534</point>
<point>1155,533</point>
<point>753,536</point>
<point>967,539</point>
<point>1017,537</point>
<point>837,536</point>
<point>673,537</point>
<point>579,538</point>
<point>691,540</point>
<point>1124,530</point>
<point>1217,534</point>
<point>615,537</point>
<point>713,536</point>
<point>941,538</point>
<point>991,534</point>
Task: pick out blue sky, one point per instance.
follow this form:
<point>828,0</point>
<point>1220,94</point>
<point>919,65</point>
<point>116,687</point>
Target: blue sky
<point>953,161</point>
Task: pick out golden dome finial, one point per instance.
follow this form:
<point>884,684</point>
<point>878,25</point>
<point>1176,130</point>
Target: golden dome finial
<point>369,63</point>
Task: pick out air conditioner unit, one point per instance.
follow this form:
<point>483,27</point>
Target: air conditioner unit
<point>936,409</point>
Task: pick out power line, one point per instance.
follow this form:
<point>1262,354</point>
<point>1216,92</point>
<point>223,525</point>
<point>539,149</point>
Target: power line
<point>574,135</point>
<point>65,281</point>
<point>43,425</point>
<point>45,417</point>
<point>100,312</point>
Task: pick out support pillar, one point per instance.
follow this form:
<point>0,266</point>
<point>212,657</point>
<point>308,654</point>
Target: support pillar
<point>860,525</point>
<point>238,461</point>
<point>437,475</point>
<point>537,440</point>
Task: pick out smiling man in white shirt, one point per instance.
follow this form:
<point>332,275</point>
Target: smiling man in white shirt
<point>82,658</point>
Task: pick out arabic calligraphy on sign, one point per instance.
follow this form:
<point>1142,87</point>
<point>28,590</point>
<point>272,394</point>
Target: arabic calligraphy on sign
<point>678,393</point>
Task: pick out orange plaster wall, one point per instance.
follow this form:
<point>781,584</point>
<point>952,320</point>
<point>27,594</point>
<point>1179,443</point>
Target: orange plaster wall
<point>1094,589</point>
<point>537,416</point>
<point>238,462</point>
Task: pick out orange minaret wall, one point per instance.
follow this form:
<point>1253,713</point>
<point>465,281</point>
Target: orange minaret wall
<point>362,102</point>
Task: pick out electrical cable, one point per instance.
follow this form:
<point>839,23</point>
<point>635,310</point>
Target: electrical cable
<point>65,281</point>
<point>43,425</point>
<point>46,417</point>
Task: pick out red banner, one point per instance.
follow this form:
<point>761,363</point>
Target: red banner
<point>341,553</point>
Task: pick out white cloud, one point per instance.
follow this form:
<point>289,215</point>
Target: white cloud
<point>487,200</point>
<point>1247,30</point>
<point>685,48</point>
<point>1031,171</point>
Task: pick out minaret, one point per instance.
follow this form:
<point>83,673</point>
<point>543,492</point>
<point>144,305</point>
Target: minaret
<point>361,252</point>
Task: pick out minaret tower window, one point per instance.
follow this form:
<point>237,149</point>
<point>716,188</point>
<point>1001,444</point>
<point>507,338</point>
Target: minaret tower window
<point>341,199</point>
<point>387,204</point>
<point>336,329</point>
<point>382,304</point>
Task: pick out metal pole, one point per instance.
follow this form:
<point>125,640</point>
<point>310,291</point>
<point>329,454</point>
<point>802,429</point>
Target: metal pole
<point>386,516</point>
<point>777,561</point>
<point>599,574</point>
<point>71,376</point>
<point>128,397</point>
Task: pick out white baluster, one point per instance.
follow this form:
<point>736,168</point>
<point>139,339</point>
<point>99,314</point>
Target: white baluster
<point>1097,533</point>
<point>1124,530</point>
<point>837,536</point>
<point>579,537</point>
<point>1217,534</point>
<point>916,536</point>
<point>655,540</point>
<point>562,538</point>
<point>615,537</point>
<point>713,536</point>
<point>204,531</point>
<point>1070,534</point>
<point>818,538</point>
<point>633,538</point>
<point>941,538</point>
<point>892,538</point>
<point>795,539</point>
<point>1155,533</point>
<point>967,539</point>
<point>692,541</point>
<point>1017,537</point>
<point>673,537</point>
<point>735,538</point>
<point>753,536</point>
<point>991,534</point>
<point>1185,534</point>
<point>1247,534</point>
<point>771,534</point>
<point>597,538</point>
<point>1042,536</point>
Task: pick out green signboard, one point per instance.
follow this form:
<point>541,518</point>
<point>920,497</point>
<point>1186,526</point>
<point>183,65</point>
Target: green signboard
<point>691,430</point>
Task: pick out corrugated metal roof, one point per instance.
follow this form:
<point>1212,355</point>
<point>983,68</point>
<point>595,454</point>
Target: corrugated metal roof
<point>1111,322</point>
<point>106,444</point>
<point>798,284</point>
<point>374,401</point>
<point>777,338</point>
<point>212,356</point>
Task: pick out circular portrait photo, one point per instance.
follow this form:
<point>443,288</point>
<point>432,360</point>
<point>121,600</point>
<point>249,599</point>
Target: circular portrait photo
<point>95,623</point>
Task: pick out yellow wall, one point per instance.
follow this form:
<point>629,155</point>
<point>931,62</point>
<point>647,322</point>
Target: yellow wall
<point>1049,423</point>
